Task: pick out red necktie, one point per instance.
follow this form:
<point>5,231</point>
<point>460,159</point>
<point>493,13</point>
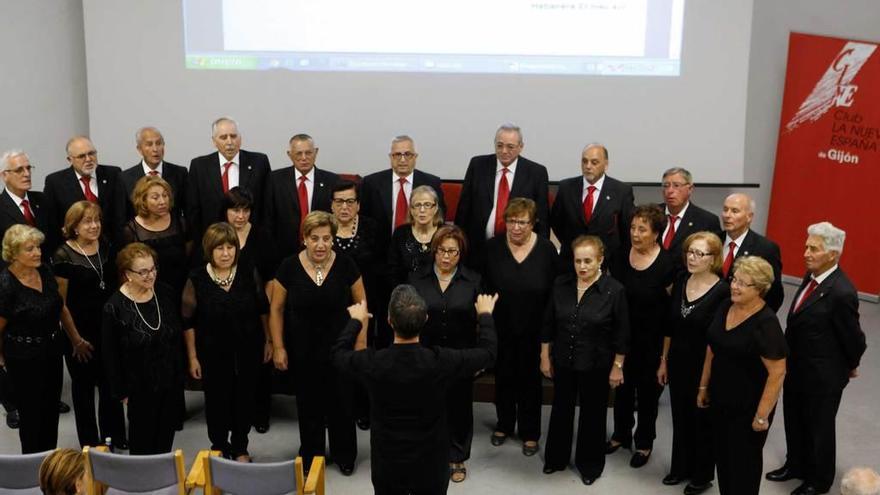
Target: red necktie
<point>667,241</point>
<point>401,206</point>
<point>28,214</point>
<point>87,189</point>
<point>728,261</point>
<point>155,173</point>
<point>501,203</point>
<point>588,204</point>
<point>225,177</point>
<point>303,198</point>
<point>809,290</point>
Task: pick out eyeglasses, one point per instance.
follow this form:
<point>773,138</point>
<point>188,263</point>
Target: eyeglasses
<point>83,156</point>
<point>347,202</point>
<point>408,155</point>
<point>451,252</point>
<point>739,283</point>
<point>423,206</point>
<point>675,185</point>
<point>697,254</point>
<point>517,223</point>
<point>146,272</point>
<point>21,170</point>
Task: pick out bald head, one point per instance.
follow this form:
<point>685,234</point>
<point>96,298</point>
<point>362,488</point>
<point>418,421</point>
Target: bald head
<point>737,214</point>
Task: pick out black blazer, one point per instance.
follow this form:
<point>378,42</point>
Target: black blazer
<point>376,200</point>
<point>281,208</point>
<point>10,214</point>
<point>824,337</point>
<point>62,189</point>
<point>610,219</point>
<point>204,189</point>
<point>174,175</point>
<point>478,198</point>
<point>695,219</point>
<point>757,245</point>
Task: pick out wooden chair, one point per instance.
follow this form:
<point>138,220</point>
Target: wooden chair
<point>108,473</point>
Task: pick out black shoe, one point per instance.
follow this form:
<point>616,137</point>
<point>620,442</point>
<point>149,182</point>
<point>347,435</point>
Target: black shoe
<point>346,469</point>
<point>639,459</point>
<point>12,419</point>
<point>807,489</point>
<point>784,473</point>
<point>673,479</point>
<point>498,438</point>
<point>261,428</point>
<point>588,480</point>
<point>363,423</point>
<point>610,448</point>
<point>549,470</point>
<point>697,489</point>
<point>63,408</point>
<point>530,450</point>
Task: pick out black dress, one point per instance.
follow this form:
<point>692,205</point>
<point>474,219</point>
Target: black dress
<point>90,282</point>
<point>452,323</point>
<point>170,246</point>
<point>648,304</point>
<point>229,342</point>
<point>145,366</point>
<point>737,382</point>
<point>32,347</point>
<point>688,321</point>
<point>314,315</point>
<point>406,255</point>
<point>523,289</point>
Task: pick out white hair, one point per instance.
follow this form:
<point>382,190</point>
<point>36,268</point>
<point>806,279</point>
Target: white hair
<point>403,138</point>
<point>139,135</point>
<point>508,127</point>
<point>860,481</point>
<point>220,121</point>
<point>832,237</point>
<point>6,158</point>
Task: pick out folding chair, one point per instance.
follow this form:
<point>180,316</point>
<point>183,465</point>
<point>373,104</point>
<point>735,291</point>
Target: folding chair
<point>112,474</point>
<point>20,474</point>
<point>222,476</point>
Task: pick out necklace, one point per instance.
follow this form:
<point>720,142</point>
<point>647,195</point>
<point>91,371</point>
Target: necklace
<point>158,312</point>
<point>222,282</point>
<point>347,244</point>
<point>319,269</point>
<point>99,269</point>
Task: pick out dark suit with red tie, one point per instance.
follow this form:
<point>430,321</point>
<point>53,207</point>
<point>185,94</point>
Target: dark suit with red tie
<point>63,189</point>
<point>282,210</point>
<point>695,219</point>
<point>755,244</point>
<point>175,175</point>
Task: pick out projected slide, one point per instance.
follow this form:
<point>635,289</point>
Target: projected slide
<point>602,37</point>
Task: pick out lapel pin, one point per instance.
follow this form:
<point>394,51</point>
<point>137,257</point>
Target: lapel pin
<point>249,167</point>
<point>320,184</point>
<point>690,224</point>
<point>608,198</point>
<point>104,181</point>
<point>745,253</point>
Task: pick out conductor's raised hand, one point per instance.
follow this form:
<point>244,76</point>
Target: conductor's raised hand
<point>359,312</point>
<point>485,303</point>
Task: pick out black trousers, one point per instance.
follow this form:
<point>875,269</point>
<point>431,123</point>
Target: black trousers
<point>692,453</point>
<point>429,477</point>
<point>6,391</point>
<point>84,378</point>
<point>810,436</point>
<point>263,395</point>
<point>152,418</point>
<point>639,393</point>
<point>518,386</point>
<point>738,449</point>
<point>460,419</point>
<point>592,389</point>
<point>229,383</point>
<point>37,383</point>
<point>324,408</point>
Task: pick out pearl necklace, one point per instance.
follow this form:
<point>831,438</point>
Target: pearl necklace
<point>222,282</point>
<point>158,312</point>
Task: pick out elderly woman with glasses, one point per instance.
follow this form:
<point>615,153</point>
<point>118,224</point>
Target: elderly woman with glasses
<point>410,248</point>
<point>450,290</point>
<point>742,376</point>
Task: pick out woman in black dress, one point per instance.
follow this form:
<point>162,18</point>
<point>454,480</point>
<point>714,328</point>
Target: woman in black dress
<point>86,278</point>
<point>647,275</point>
<point>30,343</point>
<point>521,268</point>
<point>696,296</point>
<point>310,297</point>
<point>742,375</point>
<point>141,338</point>
<point>225,313</point>
<point>450,290</point>
<point>583,346</point>
<point>410,248</point>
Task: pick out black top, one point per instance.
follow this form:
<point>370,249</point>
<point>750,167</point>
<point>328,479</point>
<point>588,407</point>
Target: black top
<point>29,314</point>
<point>738,374</point>
<point>523,288</point>
<point>362,246</point>
<point>170,246</point>
<point>136,357</point>
<point>688,321</point>
<point>648,304</point>
<point>259,250</point>
<point>315,314</point>
<point>85,295</point>
<point>407,255</point>
<point>452,318</point>
<point>586,333</point>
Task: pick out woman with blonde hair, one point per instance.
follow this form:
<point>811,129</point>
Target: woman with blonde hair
<point>63,473</point>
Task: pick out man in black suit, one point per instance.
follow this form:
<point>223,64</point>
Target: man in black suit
<point>381,192</point>
<point>293,192</point>
<point>211,176</point>
<point>480,210</point>
<point>592,204</point>
<point>825,343</point>
<point>683,217</point>
<point>85,179</point>
<point>151,147</point>
<point>740,240</point>
<point>407,384</point>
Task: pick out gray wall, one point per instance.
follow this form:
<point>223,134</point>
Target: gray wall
<point>42,80</point>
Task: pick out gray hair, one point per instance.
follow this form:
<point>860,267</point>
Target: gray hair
<point>302,137</point>
<point>597,145</point>
<point>680,171</point>
<point>860,481</point>
<point>76,138</point>
<point>752,206</point>
<point>407,311</point>
<point>220,121</point>
<point>832,237</point>
<point>402,138</point>
<point>139,135</point>
<point>508,127</point>
<point>6,158</point>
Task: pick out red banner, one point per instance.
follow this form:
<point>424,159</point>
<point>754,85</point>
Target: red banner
<point>828,153</point>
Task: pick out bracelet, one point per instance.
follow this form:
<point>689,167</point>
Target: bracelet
<point>761,421</point>
<point>702,388</point>
<point>81,342</point>
<point>662,358</point>
<point>618,364</point>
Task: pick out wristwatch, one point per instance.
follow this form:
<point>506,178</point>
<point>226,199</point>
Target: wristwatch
<point>761,421</point>
<point>618,364</point>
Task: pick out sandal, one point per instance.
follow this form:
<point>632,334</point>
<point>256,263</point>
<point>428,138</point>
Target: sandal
<point>459,472</point>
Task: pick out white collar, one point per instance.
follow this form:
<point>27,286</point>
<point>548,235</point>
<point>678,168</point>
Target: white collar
<point>224,161</point>
<point>511,167</point>
<point>822,276</point>
<point>147,168</point>
<point>310,177</point>
<point>395,179</point>
<point>15,198</point>
<point>739,240</point>
<point>681,213</point>
<point>598,185</point>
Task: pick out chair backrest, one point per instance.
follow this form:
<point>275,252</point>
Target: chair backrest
<point>238,478</point>
<point>118,474</point>
<point>20,474</point>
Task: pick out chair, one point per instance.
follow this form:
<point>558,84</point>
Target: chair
<point>222,476</point>
<point>108,473</point>
<point>20,474</point>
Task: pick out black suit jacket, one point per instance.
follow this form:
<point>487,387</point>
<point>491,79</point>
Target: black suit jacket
<point>281,208</point>
<point>174,175</point>
<point>376,200</point>
<point>609,221</point>
<point>757,245</point>
<point>695,219</point>
<point>478,198</point>
<point>10,214</point>
<point>824,337</point>
<point>204,190</point>
<point>63,189</point>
